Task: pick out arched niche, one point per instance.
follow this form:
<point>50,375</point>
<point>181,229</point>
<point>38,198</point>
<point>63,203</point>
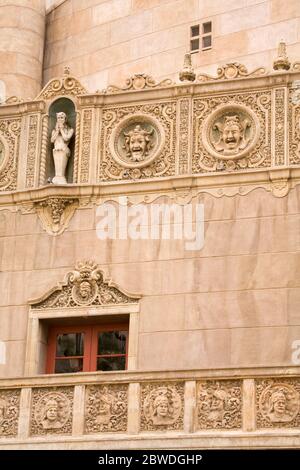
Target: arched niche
<point>67,106</point>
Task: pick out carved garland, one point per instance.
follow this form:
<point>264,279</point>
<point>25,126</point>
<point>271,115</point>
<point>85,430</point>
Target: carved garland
<point>84,286</point>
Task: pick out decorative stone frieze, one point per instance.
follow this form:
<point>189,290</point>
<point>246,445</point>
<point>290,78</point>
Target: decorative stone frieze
<point>9,412</point>
<point>84,286</point>
<point>231,71</point>
<point>219,404</point>
<point>51,411</point>
<point>278,403</point>
<point>294,124</point>
<point>162,406</point>
<point>139,81</point>
<point>10,130</point>
<point>32,146</point>
<point>138,141</point>
<point>106,408</point>
<point>232,132</point>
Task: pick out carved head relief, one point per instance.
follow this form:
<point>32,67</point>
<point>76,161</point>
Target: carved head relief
<point>230,132</point>
<point>279,403</point>
<point>162,406</point>
<point>52,411</point>
<point>137,141</point>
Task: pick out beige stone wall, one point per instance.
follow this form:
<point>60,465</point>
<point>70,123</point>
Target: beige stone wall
<point>22,30</point>
<point>235,303</point>
<point>106,41</point>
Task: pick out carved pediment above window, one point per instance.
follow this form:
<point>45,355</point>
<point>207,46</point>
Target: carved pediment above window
<point>231,71</point>
<point>85,286</point>
<point>139,81</point>
<point>66,85</point>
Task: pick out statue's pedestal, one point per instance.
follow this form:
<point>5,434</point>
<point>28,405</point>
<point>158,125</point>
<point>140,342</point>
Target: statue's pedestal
<point>60,163</point>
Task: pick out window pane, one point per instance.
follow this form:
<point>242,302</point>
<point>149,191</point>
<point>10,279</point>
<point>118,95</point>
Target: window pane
<point>195,30</point>
<point>195,45</point>
<point>207,27</point>
<point>68,365</point>
<point>69,344</point>
<point>111,363</point>
<point>112,342</point>
<point>206,42</point>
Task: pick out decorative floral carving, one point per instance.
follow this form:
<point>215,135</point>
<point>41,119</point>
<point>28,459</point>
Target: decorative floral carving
<point>51,411</point>
<point>231,71</point>
<point>139,81</point>
<point>55,213</point>
<point>31,150</point>
<point>86,145</point>
<point>106,408</point>
<point>10,137</point>
<point>294,127</point>
<point>162,406</point>
<point>184,108</point>
<point>9,412</point>
<point>278,403</point>
<point>279,126</point>
<point>83,286</point>
<point>232,132</point>
<point>159,120</point>
<point>219,404</point>
<point>67,85</point>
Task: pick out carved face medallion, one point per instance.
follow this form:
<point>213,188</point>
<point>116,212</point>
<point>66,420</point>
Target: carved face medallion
<point>137,141</point>
<point>52,411</point>
<point>162,406</point>
<point>279,403</point>
<point>230,132</point>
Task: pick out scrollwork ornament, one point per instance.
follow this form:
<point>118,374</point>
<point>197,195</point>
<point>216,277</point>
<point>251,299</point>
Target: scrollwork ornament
<point>10,138</point>
<point>219,404</point>
<point>9,412</point>
<point>278,403</point>
<point>106,408</point>
<point>162,407</point>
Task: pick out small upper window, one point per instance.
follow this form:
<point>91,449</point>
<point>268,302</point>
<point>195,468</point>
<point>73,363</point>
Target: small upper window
<point>201,37</point>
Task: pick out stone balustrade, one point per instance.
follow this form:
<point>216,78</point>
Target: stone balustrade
<point>194,409</point>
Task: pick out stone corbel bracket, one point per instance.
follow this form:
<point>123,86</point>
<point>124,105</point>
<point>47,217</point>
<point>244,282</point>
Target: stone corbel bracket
<point>280,182</point>
<point>54,213</point>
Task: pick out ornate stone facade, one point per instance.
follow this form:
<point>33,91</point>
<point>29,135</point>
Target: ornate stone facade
<point>51,411</point>
<point>162,406</point>
<point>219,404</point>
<point>106,408</point>
<point>278,403</point>
<point>9,412</point>
<point>84,286</point>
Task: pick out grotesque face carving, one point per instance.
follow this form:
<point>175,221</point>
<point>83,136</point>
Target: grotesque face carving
<point>138,143</point>
<point>161,406</point>
<point>51,415</point>
<point>232,135</point>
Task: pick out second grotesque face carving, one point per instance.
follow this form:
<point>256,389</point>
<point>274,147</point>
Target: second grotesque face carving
<point>232,134</point>
<point>138,143</point>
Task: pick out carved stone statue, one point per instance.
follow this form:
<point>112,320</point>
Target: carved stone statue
<point>138,143</point>
<point>60,137</point>
<point>232,135</point>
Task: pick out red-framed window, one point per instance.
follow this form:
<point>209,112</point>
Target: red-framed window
<point>87,348</point>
